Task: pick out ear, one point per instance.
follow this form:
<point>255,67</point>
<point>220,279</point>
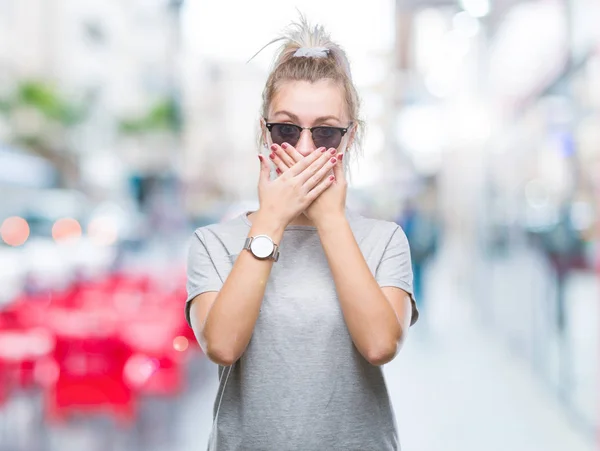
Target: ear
<point>349,138</point>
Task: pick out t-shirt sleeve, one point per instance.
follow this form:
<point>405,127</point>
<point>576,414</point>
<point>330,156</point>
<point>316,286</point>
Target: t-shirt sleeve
<point>395,268</point>
<point>202,276</point>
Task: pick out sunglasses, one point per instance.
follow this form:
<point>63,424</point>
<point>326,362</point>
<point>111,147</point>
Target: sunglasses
<point>322,136</point>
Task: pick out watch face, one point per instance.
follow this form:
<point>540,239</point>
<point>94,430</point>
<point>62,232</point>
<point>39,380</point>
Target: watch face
<point>262,246</point>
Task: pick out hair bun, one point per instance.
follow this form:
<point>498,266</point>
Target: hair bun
<point>312,52</point>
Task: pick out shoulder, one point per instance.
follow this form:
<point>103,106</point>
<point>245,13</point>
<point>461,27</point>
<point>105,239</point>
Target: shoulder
<point>226,236</point>
<point>364,227</point>
<point>230,227</point>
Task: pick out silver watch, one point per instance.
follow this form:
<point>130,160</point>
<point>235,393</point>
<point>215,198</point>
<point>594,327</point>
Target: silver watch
<point>262,247</point>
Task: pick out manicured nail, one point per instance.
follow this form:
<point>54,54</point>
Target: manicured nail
<point>274,147</point>
<point>278,170</point>
<point>284,145</point>
<point>272,156</point>
<point>260,157</point>
<point>340,156</point>
<point>333,160</point>
<point>323,149</point>
<point>331,178</point>
<point>332,151</point>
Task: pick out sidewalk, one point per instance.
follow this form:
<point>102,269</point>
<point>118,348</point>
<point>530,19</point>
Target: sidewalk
<point>464,393</point>
<point>458,388</point>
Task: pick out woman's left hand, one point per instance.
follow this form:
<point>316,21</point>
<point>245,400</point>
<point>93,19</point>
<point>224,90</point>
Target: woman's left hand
<point>331,204</point>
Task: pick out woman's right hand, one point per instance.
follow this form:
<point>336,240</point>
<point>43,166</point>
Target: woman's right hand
<point>284,198</point>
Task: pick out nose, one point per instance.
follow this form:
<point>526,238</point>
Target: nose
<point>305,145</point>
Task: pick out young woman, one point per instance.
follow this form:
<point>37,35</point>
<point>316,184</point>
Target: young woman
<point>302,301</point>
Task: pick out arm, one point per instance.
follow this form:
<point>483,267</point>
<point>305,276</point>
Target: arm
<point>223,321</point>
<point>377,318</point>
<point>377,312</point>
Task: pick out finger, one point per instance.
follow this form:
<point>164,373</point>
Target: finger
<point>323,172</point>
<point>280,166</point>
<point>265,172</point>
<point>306,161</point>
<point>315,166</point>
<point>292,152</point>
<point>283,155</point>
<point>338,169</point>
<point>318,190</point>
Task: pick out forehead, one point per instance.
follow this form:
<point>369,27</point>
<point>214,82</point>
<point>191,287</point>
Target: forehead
<point>310,100</point>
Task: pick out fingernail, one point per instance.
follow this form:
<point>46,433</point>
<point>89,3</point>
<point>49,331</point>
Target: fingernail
<point>331,178</point>
<point>323,149</point>
<point>284,145</point>
<point>274,147</point>
<point>272,156</point>
<point>278,170</point>
<point>333,160</point>
<point>260,157</point>
<point>340,156</point>
<point>332,151</point>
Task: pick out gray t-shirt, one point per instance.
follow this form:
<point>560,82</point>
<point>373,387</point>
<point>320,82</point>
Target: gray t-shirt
<point>301,385</point>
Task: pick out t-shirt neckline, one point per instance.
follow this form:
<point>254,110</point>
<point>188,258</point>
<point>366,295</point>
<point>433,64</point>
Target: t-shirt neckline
<point>290,227</point>
<point>244,217</point>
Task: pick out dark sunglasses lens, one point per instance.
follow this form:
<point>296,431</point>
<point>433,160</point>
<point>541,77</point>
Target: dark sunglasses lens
<point>327,137</point>
<point>285,133</point>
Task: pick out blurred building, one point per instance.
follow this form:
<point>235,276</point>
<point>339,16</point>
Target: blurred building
<point>117,59</point>
<point>221,142</point>
<point>508,122</point>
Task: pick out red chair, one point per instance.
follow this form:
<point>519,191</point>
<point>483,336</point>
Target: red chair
<point>90,380</point>
<point>90,359</point>
<point>157,365</point>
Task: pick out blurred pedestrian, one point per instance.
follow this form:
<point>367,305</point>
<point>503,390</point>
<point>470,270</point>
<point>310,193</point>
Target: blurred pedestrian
<point>423,232</point>
<point>302,301</point>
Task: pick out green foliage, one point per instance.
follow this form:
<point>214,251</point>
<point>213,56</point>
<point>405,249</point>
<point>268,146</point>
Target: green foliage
<point>44,98</point>
<point>162,116</point>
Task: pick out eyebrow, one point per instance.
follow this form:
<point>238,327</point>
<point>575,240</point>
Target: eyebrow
<point>317,120</point>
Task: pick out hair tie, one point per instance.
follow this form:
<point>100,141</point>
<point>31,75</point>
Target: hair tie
<point>312,52</point>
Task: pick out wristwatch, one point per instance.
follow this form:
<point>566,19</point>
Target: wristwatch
<point>262,247</point>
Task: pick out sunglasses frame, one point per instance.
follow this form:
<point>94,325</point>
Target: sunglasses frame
<point>343,130</point>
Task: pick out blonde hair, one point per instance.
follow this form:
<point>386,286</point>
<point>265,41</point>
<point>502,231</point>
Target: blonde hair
<point>333,65</point>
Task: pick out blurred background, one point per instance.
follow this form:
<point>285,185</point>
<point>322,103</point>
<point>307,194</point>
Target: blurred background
<point>124,125</point>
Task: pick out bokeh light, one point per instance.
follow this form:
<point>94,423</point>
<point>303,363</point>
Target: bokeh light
<point>66,229</point>
<point>138,369</point>
<point>180,343</point>
<point>102,231</point>
<point>14,231</point>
